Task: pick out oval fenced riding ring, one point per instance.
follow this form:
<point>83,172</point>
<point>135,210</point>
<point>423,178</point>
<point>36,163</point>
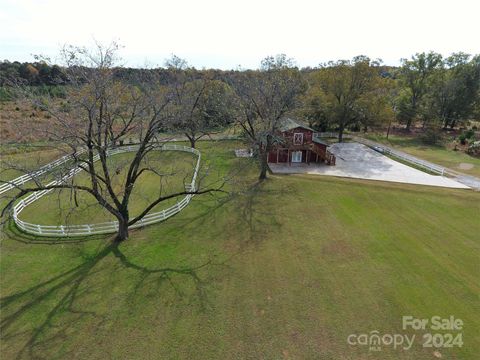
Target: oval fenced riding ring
<point>105,227</point>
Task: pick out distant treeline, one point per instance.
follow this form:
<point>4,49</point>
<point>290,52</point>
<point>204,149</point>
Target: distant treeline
<point>44,78</point>
<point>43,74</point>
<point>33,74</point>
<point>345,94</point>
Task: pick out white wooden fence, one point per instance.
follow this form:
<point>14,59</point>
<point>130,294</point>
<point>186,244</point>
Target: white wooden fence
<point>401,155</point>
<point>329,135</point>
<point>106,227</point>
<point>43,170</point>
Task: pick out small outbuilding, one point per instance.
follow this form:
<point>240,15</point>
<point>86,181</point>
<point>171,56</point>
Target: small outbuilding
<point>299,145</point>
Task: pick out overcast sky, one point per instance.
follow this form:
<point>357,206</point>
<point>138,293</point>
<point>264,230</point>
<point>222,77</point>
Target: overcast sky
<point>226,34</point>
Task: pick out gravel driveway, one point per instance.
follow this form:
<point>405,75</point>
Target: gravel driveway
<point>356,160</point>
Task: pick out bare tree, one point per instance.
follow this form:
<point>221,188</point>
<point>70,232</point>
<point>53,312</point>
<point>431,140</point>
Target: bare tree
<point>102,111</point>
<point>200,105</point>
<point>265,97</point>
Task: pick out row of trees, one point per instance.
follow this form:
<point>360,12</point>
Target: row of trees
<point>438,91</point>
<point>435,91</point>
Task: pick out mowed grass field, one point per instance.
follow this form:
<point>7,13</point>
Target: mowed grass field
<point>441,155</point>
<point>283,270</point>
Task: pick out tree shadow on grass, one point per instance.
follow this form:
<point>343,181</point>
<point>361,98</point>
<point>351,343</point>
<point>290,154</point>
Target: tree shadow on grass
<point>249,211</point>
<point>39,322</point>
<point>11,232</point>
<point>66,288</point>
<point>256,214</point>
<point>60,303</point>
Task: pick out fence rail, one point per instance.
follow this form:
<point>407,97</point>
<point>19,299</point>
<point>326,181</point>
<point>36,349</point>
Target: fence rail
<point>43,170</point>
<point>110,226</point>
<point>329,135</point>
<point>401,155</point>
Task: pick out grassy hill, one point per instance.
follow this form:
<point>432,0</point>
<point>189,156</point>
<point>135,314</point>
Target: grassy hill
<point>282,270</point>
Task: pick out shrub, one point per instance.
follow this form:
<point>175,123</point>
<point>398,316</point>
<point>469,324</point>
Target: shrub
<point>58,91</point>
<point>474,149</point>
<point>466,135</point>
<point>470,134</point>
<point>5,94</point>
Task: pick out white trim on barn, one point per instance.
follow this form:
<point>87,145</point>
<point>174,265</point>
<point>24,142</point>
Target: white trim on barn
<point>298,139</point>
<point>296,156</point>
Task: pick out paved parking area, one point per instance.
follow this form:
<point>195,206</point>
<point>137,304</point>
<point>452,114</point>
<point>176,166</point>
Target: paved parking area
<point>356,160</point>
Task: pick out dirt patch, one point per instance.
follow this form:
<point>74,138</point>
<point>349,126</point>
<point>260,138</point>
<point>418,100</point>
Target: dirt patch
<point>465,166</point>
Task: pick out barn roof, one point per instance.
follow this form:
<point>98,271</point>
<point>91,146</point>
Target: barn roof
<point>287,124</point>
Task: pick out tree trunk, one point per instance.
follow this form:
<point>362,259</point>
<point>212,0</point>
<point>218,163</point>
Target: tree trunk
<point>340,134</point>
<point>263,165</point>
<point>122,233</point>
<point>389,127</point>
<point>192,140</point>
<point>409,123</point>
<point>413,114</point>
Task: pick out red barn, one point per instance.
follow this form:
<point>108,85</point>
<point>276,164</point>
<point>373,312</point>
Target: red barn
<point>299,145</point>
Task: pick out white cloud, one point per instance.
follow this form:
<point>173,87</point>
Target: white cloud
<point>226,33</point>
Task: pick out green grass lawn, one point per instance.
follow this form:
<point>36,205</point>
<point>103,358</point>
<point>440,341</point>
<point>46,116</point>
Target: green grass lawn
<point>283,270</point>
<point>455,160</point>
<point>16,164</point>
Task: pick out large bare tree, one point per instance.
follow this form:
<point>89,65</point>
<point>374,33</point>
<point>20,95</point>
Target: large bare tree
<point>201,104</point>
<point>265,97</point>
<point>102,111</point>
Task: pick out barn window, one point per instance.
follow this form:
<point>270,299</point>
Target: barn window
<point>298,138</point>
